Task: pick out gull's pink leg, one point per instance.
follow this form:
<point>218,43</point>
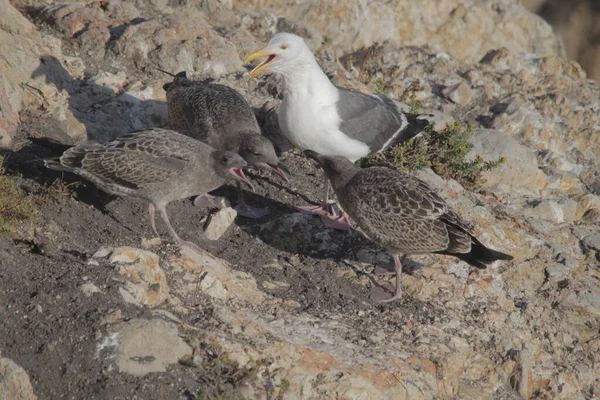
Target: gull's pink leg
<point>378,294</point>
<point>152,210</point>
<point>178,240</point>
<point>341,222</point>
<point>329,218</point>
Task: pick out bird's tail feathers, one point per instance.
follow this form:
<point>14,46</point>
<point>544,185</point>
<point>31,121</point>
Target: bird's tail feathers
<point>54,163</point>
<point>179,79</point>
<point>415,127</point>
<point>416,124</point>
<point>480,255</point>
<point>73,157</point>
<point>50,144</point>
<point>487,255</point>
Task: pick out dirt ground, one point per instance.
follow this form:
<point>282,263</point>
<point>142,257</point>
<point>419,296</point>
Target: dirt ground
<point>51,328</point>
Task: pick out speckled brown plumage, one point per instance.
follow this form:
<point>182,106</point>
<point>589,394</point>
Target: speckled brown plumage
<point>403,213</point>
<point>219,116</point>
<point>212,113</point>
<point>156,165</point>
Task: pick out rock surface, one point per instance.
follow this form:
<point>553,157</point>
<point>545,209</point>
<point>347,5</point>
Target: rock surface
<point>219,222</point>
<point>279,307</point>
<point>145,346</point>
<point>521,166</point>
<point>578,25</point>
<point>146,282</point>
<point>20,48</point>
<point>14,382</point>
<point>467,29</point>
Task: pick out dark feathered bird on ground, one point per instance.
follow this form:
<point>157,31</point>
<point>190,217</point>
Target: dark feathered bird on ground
<point>156,165</point>
<point>219,116</point>
<point>403,214</point>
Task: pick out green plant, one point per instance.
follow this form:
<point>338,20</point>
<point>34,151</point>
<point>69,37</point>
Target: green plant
<point>186,361</point>
<point>414,104</point>
<point>15,206</point>
<point>324,45</point>
<point>443,151</point>
<point>379,86</point>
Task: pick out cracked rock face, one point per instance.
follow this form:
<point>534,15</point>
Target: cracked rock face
<point>279,307</point>
<point>145,346</point>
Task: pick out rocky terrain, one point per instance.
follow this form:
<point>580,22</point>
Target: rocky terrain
<point>577,22</point>
<point>279,308</point>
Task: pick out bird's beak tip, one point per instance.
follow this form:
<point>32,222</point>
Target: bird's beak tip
<point>262,53</point>
<point>278,169</point>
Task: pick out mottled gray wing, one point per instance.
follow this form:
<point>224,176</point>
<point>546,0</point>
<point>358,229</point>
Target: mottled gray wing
<point>374,120</point>
<point>207,112</point>
<point>131,161</point>
<point>398,210</point>
<point>452,218</point>
<point>419,200</point>
<point>130,169</point>
<point>161,143</point>
<point>230,108</point>
<point>188,113</point>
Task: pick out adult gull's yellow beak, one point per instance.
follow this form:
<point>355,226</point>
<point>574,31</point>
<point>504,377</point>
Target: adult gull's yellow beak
<point>259,54</point>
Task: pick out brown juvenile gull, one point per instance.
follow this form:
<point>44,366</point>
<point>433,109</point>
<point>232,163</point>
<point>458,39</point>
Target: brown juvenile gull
<point>403,214</point>
<point>156,165</point>
<point>316,115</point>
<point>219,116</point>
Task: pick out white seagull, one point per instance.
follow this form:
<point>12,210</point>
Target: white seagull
<point>317,115</point>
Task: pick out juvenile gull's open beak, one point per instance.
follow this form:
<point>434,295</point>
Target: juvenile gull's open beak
<point>238,174</point>
<point>259,54</point>
<point>274,168</point>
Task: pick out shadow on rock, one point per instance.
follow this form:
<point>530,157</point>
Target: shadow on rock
<point>73,110</point>
<point>291,231</point>
<point>107,105</point>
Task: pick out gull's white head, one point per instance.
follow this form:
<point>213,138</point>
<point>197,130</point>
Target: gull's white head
<point>285,53</point>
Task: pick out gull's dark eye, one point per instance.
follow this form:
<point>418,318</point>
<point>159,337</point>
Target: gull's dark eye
<point>256,153</point>
<point>283,46</point>
<point>225,158</point>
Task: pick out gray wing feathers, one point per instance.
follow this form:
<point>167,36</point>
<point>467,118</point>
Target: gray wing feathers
<point>374,120</point>
<point>206,111</point>
<point>129,169</point>
<point>133,160</point>
<point>160,143</point>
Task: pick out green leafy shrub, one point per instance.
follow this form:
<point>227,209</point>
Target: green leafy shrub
<point>15,206</point>
<point>414,104</point>
<point>443,151</point>
<point>379,86</point>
